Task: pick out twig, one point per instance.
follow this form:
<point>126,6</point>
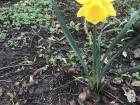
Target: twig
<point>38,71</point>
<point>68,94</point>
<point>115,97</point>
<point>7,67</point>
<point>5,81</point>
<point>84,83</point>
<point>62,86</point>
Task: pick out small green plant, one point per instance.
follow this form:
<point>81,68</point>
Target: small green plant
<point>96,73</point>
<point>2,36</point>
<point>30,12</point>
<point>12,98</point>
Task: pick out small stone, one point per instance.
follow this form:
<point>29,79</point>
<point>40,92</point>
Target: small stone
<point>137,53</point>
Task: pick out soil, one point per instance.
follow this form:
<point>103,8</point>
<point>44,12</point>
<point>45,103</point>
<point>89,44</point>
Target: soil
<point>25,84</point>
<point>7,3</point>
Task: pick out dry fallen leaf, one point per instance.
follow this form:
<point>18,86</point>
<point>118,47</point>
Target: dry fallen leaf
<point>130,94</point>
<point>105,100</point>
<point>20,92</point>
<point>106,59</point>
<point>112,103</point>
<point>18,103</point>
<point>24,84</point>
<point>136,83</point>
<point>31,80</point>
<point>58,28</point>
<point>138,99</point>
<point>118,80</point>
<point>89,103</point>
<point>137,53</point>
<point>124,54</point>
<point>84,95</point>
<point>72,70</point>
<point>72,102</point>
<point>1,91</point>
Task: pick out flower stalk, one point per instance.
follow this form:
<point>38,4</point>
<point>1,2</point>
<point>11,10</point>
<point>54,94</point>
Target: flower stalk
<point>101,9</point>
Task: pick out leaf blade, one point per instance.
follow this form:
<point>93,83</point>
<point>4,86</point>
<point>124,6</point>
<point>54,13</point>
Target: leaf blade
<point>69,37</point>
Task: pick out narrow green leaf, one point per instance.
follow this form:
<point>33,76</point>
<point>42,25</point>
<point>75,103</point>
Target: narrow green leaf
<point>131,70</point>
<point>122,34</point>
<point>98,61</point>
<point>117,54</point>
<point>69,36</point>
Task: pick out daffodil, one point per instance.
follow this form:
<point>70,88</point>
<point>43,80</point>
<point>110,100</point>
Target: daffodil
<point>96,11</point>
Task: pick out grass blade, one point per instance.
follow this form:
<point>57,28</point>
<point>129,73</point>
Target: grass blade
<point>69,37</point>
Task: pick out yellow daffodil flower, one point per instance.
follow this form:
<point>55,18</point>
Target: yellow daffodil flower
<point>96,11</point>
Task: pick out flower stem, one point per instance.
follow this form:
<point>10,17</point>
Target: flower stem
<point>94,52</point>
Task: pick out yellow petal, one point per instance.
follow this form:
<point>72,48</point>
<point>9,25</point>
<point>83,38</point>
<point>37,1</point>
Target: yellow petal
<point>96,11</point>
<point>110,0</point>
<point>109,7</point>
<point>81,12</point>
<point>83,1</point>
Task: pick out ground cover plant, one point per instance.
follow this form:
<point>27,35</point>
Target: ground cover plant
<point>39,67</point>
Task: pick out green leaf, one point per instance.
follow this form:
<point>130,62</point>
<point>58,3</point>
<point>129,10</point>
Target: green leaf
<point>69,37</point>
<point>117,54</point>
<point>123,32</point>
<point>131,70</point>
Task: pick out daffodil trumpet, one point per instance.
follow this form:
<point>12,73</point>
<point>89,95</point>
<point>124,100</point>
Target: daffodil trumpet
<point>96,11</point>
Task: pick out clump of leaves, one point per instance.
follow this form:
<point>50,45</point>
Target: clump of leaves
<point>30,12</point>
